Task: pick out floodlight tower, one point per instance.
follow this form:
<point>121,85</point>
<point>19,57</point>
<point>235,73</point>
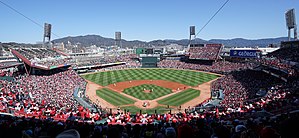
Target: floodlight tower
<point>47,35</point>
<point>118,39</point>
<point>191,35</point>
<point>291,23</point>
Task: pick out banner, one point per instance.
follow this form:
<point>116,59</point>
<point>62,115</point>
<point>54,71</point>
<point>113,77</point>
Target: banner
<point>244,53</point>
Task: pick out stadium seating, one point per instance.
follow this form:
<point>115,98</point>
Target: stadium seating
<point>284,59</point>
<point>8,64</point>
<point>205,53</point>
<point>43,56</point>
<point>33,95</point>
<point>289,53</point>
<point>44,106</point>
<point>221,67</point>
<point>239,87</point>
<point>90,61</point>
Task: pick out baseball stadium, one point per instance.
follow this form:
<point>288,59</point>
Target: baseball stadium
<point>146,88</point>
<point>95,87</point>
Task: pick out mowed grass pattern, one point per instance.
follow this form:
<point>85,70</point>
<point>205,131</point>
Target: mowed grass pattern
<point>138,91</point>
<point>180,98</point>
<point>114,97</point>
<point>187,77</point>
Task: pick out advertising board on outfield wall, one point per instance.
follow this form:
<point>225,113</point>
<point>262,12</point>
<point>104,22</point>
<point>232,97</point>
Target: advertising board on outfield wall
<point>244,53</point>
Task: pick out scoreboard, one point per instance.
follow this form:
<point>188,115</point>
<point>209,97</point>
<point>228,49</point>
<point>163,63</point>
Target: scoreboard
<point>144,51</point>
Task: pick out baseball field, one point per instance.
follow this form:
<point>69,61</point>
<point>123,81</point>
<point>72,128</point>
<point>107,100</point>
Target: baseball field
<point>149,89</point>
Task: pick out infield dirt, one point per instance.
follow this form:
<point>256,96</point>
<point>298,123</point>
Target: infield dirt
<point>174,86</point>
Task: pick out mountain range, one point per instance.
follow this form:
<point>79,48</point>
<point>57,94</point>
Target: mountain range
<point>98,40</point>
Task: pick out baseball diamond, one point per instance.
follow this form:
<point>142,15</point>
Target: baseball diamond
<point>150,89</point>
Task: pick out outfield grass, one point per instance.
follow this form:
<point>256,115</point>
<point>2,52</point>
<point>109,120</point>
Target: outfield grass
<point>138,91</point>
<point>187,77</point>
<point>180,98</point>
<point>134,110</point>
<point>114,97</point>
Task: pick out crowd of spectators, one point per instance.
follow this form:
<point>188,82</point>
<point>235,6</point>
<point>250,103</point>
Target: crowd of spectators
<point>189,124</point>
<point>167,126</point>
<point>127,65</point>
<point>278,64</point>
<point>44,96</point>
<point>94,61</point>
<point>11,71</point>
<point>39,53</point>
<point>285,59</point>
<point>275,63</point>
<point>50,62</point>
<point>9,64</point>
<point>221,67</point>
<point>4,73</point>
<point>242,86</point>
<point>206,52</point>
<point>43,56</point>
<point>47,57</point>
<point>289,53</point>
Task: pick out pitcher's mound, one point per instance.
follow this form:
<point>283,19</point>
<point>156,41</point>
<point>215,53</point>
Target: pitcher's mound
<point>147,91</point>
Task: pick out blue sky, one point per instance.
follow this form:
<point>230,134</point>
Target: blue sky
<point>145,20</point>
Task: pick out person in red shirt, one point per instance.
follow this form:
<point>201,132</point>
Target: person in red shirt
<point>96,117</point>
<point>87,115</point>
<point>82,115</point>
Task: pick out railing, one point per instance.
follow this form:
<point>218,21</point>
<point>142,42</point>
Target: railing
<point>79,99</point>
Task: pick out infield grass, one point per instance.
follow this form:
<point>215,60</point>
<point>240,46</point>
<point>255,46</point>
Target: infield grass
<point>138,91</point>
<point>180,98</point>
<point>114,97</point>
